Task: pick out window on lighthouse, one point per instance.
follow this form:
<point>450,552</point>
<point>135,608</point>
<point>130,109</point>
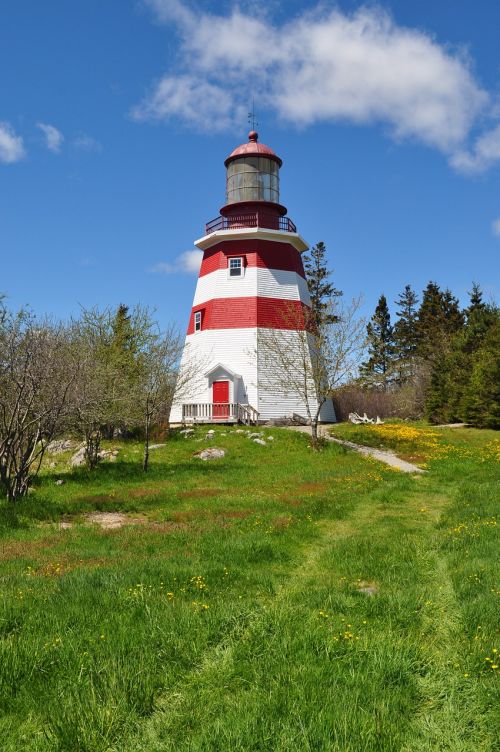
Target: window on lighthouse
<point>235,267</point>
<point>197,321</point>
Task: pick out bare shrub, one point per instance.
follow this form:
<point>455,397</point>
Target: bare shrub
<point>308,361</point>
<point>37,370</point>
<point>406,402</point>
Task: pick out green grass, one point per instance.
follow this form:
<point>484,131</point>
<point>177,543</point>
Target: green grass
<point>276,600</point>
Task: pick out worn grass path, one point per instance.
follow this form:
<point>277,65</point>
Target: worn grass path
<point>319,601</point>
<point>381,455</point>
<point>249,692</point>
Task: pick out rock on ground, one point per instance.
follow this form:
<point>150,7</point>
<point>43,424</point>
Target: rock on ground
<point>78,458</point>
<point>112,520</point>
<point>212,453</point>
<point>259,441</point>
<point>61,445</point>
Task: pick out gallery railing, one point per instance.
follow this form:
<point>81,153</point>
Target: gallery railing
<point>251,219</point>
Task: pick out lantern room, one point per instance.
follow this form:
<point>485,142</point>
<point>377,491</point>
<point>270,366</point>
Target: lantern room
<point>253,173</point>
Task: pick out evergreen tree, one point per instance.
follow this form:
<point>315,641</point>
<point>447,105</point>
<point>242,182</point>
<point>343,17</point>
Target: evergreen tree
<point>320,288</point>
<point>482,396</point>
<point>476,300</point>
<point>377,371</point>
<point>124,344</point>
<point>439,318</point>
<point>406,334</point>
<point>451,376</point>
<point>453,316</point>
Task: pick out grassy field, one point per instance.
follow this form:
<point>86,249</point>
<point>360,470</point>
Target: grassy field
<point>275,600</point>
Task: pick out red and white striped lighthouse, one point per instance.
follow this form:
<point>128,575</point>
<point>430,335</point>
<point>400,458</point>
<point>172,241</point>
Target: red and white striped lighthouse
<point>251,277</point>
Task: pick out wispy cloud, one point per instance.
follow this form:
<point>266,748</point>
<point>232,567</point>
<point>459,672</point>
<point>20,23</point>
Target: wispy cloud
<point>87,143</point>
<point>53,137</point>
<point>495,227</point>
<point>323,65</point>
<point>11,145</point>
<point>186,263</point>
<point>484,153</point>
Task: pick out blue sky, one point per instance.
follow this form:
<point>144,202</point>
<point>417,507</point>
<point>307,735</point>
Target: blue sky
<point>116,117</point>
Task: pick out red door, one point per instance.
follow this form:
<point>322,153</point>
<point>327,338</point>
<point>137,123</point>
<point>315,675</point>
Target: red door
<point>220,399</point>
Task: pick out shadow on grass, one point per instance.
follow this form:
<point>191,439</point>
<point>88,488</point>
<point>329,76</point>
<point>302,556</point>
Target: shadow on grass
<point>18,515</point>
<point>110,487</point>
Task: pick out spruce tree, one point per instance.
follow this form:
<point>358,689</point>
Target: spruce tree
<point>439,319</point>
<point>377,371</point>
<point>449,388</point>
<point>320,288</point>
<point>475,300</point>
<point>481,404</point>
<point>406,334</point>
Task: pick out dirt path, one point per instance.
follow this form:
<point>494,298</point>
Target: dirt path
<point>381,455</point>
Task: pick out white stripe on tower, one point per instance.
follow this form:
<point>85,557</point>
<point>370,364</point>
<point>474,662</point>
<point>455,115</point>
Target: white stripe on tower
<point>256,281</point>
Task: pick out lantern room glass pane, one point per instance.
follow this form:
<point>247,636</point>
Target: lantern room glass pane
<point>252,179</point>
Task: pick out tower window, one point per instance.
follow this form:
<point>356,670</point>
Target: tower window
<point>197,321</point>
<point>236,267</point>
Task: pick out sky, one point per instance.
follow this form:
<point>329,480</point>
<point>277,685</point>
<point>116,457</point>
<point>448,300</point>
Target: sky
<point>116,117</point>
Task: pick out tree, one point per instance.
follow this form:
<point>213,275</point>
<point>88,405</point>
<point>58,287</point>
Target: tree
<point>439,318</point>
<point>405,335</point>
<point>449,388</point>
<point>110,343</point>
<point>377,371</point>
<point>161,381</point>
<point>36,372</point>
<point>475,300</point>
<point>309,362</point>
<point>482,395</point>
<point>320,289</point>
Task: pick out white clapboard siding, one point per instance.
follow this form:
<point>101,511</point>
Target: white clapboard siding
<point>236,350</point>
<point>256,282</point>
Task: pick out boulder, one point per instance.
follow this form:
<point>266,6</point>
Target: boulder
<point>212,453</point>
<point>78,458</point>
<point>259,441</point>
<point>299,420</point>
<point>108,454</point>
<point>59,482</point>
<point>61,445</point>
<point>156,446</point>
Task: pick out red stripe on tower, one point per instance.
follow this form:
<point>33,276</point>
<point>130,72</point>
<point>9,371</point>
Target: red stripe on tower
<point>251,312</point>
<point>261,253</point>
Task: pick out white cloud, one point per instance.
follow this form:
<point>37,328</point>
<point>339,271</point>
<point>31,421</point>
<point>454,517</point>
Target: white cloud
<point>87,143</point>
<point>484,153</point>
<point>11,145</point>
<point>495,227</point>
<point>191,99</point>
<point>187,263</point>
<point>323,65</point>
<point>53,137</point>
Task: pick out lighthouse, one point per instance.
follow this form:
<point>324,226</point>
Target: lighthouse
<point>251,282</point>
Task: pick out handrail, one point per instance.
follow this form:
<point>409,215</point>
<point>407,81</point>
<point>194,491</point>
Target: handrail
<point>251,219</point>
<point>208,412</point>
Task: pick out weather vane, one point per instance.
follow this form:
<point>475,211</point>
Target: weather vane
<point>251,116</point>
